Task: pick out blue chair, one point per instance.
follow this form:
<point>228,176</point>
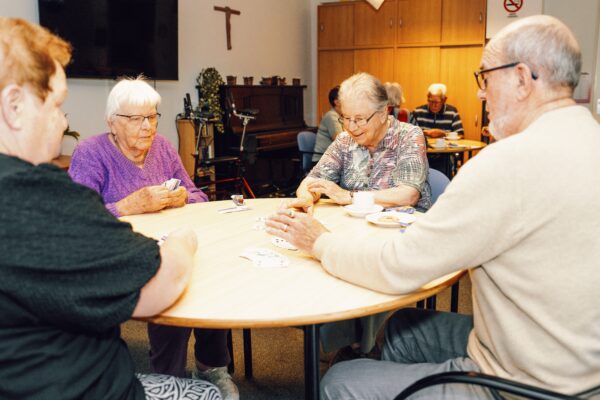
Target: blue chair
<point>306,147</point>
<point>438,182</point>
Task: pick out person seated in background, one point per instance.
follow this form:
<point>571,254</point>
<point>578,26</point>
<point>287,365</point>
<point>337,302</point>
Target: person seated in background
<point>437,118</point>
<point>329,127</point>
<point>377,153</point>
<point>71,272</point>
<point>533,255</point>
<point>127,167</point>
<point>395,101</point>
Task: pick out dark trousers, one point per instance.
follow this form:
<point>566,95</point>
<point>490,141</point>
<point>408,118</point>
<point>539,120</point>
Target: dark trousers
<point>169,344</point>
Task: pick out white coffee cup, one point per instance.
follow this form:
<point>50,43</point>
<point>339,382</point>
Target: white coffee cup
<point>363,200</point>
<point>440,143</point>
<point>452,135</point>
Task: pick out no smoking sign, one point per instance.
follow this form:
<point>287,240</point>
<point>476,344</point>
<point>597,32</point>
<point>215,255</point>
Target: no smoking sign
<point>513,6</point>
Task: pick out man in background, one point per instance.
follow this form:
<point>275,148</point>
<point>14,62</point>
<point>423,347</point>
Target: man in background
<point>437,118</point>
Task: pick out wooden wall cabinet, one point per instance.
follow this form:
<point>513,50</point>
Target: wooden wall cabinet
<point>419,21</point>
<point>463,21</point>
<point>335,25</point>
<point>413,42</point>
<point>375,27</point>
<point>334,67</point>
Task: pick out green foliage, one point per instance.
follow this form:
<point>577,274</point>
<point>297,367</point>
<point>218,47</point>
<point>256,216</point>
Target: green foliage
<point>209,80</point>
<point>73,134</point>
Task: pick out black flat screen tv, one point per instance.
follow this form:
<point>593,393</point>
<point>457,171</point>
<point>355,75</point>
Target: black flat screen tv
<point>113,38</point>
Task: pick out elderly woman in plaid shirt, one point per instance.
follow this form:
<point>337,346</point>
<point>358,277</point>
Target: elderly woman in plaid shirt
<point>375,153</point>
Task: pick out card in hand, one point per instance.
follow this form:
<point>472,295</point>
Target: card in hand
<point>172,184</point>
<point>284,244</point>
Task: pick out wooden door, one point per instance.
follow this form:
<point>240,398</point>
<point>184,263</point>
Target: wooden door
<point>457,66</point>
<point>335,26</point>
<point>377,62</point>
<point>463,21</point>
<point>419,21</point>
<point>374,27</point>
<point>415,69</point>
<point>334,67</point>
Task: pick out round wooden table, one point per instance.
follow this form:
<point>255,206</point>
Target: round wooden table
<point>227,291</point>
<point>456,146</point>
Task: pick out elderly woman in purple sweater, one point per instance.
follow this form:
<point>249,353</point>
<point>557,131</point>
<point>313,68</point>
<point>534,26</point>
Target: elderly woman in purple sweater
<point>127,167</point>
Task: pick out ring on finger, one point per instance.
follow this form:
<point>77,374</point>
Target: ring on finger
<point>291,213</point>
<point>285,227</point>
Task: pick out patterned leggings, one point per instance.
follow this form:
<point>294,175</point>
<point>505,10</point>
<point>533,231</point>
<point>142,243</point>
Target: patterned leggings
<point>165,387</point>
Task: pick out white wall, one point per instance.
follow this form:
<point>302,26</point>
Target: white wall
<point>270,37</point>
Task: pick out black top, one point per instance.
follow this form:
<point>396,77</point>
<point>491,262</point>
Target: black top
<point>70,274</point>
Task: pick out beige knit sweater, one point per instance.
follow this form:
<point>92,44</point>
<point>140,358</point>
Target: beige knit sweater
<point>524,215</point>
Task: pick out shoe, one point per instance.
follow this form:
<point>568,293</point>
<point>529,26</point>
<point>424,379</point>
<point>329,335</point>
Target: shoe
<point>221,379</point>
<point>345,354</point>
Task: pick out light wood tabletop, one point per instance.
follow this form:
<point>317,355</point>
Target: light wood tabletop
<point>455,146</point>
<point>228,291</point>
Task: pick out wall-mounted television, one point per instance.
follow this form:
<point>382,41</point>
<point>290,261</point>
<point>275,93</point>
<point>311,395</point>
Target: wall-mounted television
<point>112,38</point>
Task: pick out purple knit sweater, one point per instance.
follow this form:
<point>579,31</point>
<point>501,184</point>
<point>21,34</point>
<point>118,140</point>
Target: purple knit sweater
<point>99,165</point>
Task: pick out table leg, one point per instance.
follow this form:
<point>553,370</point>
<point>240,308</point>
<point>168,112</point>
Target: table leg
<point>311,362</point>
<point>454,297</point>
<point>247,353</point>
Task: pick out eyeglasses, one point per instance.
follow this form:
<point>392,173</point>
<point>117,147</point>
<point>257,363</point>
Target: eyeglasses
<point>138,120</point>
<point>360,122</point>
<point>482,81</point>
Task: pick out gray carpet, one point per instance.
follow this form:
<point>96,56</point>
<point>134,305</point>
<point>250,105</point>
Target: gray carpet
<point>278,354</point>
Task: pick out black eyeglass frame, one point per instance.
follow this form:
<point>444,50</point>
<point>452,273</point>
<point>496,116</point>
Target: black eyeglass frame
<point>479,73</point>
<point>144,117</point>
<point>342,119</point>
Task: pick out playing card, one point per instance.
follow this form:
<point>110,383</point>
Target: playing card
<point>259,225</point>
<point>284,244</point>
<point>172,183</point>
<point>265,258</point>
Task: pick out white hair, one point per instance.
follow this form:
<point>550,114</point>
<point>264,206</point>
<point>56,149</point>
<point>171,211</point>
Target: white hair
<point>131,91</point>
<point>437,89</point>
<point>394,93</point>
<point>543,43</point>
<point>364,86</point>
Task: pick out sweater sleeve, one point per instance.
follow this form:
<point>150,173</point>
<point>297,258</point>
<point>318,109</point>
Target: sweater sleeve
<point>448,238</point>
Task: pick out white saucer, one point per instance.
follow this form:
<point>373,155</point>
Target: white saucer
<point>361,212</point>
<point>391,219</point>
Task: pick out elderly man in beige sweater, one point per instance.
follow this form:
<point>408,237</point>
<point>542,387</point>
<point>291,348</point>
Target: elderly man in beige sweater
<point>524,213</point>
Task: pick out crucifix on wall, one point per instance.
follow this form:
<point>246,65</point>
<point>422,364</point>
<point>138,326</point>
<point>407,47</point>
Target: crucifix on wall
<point>228,11</point>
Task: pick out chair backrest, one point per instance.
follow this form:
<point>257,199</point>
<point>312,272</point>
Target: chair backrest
<point>438,182</point>
<point>403,115</point>
<point>306,146</point>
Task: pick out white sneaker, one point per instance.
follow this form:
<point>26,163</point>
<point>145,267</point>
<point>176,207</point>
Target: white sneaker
<point>221,379</point>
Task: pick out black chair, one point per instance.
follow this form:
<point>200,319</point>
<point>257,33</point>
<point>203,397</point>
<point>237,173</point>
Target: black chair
<point>495,384</point>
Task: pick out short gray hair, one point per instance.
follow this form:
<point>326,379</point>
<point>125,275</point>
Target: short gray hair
<point>132,91</point>
<point>543,43</point>
<point>394,93</point>
<point>363,85</point>
<point>437,89</point>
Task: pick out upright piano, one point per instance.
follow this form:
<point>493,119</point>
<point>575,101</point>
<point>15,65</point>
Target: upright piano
<point>270,141</point>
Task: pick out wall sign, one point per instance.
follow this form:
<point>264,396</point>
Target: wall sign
<point>502,12</point>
